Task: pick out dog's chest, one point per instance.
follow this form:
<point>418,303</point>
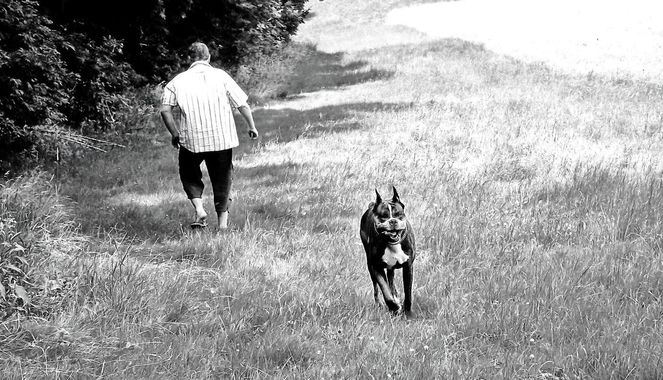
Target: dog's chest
<point>394,255</point>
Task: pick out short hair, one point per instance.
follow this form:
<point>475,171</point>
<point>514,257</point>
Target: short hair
<point>198,51</point>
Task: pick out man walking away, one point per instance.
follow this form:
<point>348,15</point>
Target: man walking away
<point>207,132</point>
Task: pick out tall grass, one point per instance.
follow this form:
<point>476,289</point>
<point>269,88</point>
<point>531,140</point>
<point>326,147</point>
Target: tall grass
<point>37,239</point>
<point>536,199</point>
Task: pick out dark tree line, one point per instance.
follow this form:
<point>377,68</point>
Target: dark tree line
<point>71,64</point>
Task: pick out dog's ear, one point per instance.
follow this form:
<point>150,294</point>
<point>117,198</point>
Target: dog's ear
<point>378,199</point>
<point>397,198</point>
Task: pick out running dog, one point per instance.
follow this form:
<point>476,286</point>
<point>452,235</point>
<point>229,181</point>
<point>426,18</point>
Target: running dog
<point>388,240</point>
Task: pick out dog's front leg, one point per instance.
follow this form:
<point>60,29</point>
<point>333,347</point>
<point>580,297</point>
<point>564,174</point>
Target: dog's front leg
<point>389,300</point>
<point>390,280</point>
<point>374,279</point>
<point>408,270</point>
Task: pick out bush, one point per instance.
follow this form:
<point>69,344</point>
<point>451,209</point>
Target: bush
<point>105,87</point>
<point>33,77</point>
<point>51,81</point>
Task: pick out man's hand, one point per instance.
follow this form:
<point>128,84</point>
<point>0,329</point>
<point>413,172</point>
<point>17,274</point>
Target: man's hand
<point>245,110</point>
<point>253,133</point>
<point>167,116</point>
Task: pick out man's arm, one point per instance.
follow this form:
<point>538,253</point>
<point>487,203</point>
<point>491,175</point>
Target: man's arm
<point>169,120</point>
<point>245,111</point>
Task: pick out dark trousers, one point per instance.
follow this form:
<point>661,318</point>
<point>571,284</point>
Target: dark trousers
<point>219,166</point>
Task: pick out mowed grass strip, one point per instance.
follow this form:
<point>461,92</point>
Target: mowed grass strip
<point>536,198</point>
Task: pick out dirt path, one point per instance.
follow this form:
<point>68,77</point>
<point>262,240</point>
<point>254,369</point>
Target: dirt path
<point>608,37</point>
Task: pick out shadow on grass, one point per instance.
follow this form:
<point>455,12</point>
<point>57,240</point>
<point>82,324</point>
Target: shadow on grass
<point>166,218</point>
<point>284,125</point>
<point>321,70</point>
<point>284,207</point>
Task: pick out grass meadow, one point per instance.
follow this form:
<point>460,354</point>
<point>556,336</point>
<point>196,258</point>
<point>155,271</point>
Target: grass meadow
<point>536,197</point>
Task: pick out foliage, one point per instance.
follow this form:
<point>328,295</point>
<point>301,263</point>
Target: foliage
<point>156,32</point>
<point>33,77</point>
<point>51,81</point>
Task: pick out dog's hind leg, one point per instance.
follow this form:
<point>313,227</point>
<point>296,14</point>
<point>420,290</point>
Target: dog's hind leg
<point>390,280</point>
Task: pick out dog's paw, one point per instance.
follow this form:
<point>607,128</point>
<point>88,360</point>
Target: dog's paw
<point>395,308</point>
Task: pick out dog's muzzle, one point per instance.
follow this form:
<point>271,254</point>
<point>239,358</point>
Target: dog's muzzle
<point>393,230</point>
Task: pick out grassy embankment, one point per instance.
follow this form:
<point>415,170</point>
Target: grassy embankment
<point>536,196</point>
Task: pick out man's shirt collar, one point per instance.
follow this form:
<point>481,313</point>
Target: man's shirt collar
<point>196,63</point>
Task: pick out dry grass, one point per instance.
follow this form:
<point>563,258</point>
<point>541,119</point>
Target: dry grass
<point>536,197</point>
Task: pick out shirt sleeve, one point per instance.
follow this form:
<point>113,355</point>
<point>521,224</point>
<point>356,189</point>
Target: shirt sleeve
<point>169,98</point>
<point>236,96</point>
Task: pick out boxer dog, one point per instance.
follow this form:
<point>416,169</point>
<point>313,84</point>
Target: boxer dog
<point>388,240</point>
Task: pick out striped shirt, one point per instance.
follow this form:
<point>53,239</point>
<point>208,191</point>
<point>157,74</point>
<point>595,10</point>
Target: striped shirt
<point>205,96</point>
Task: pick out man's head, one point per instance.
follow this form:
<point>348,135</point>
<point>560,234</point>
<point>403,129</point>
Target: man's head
<point>198,51</point>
